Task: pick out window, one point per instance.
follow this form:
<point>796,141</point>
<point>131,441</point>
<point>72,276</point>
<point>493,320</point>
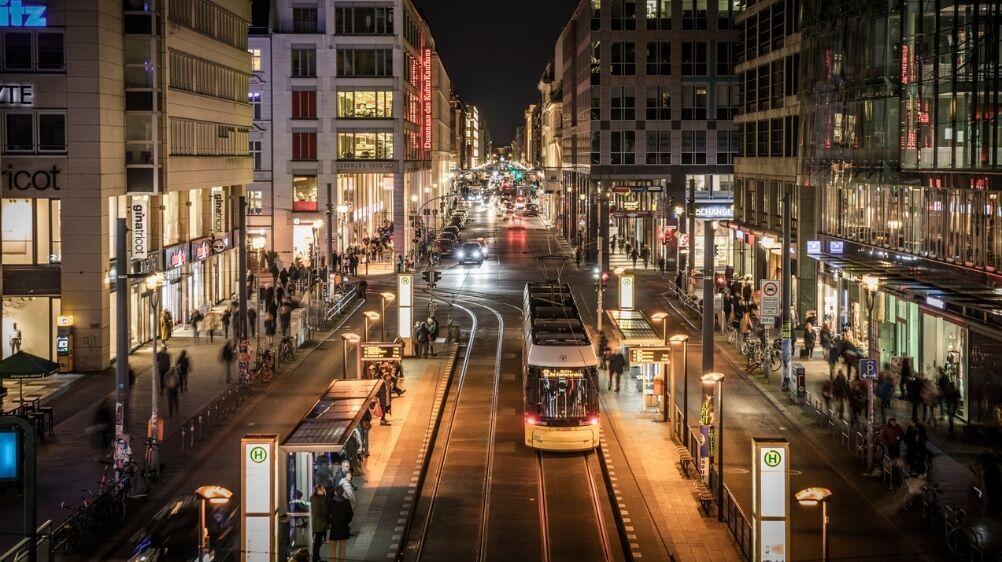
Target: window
<point>622,151</point>
<point>727,101</point>
<point>254,98</point>
<point>725,13</point>
<point>694,59</point>
<point>304,62</point>
<point>725,58</point>
<point>694,103</point>
<point>365,145</point>
<point>624,15</point>
<point>693,14</point>
<point>694,147</point>
<point>596,63</point>
<point>364,62</point>
<point>19,132</point>
<point>255,152</point>
<point>365,105</point>
<point>255,59</point>
<point>658,103</point>
<point>18,231</point>
<point>658,58</point>
<point>776,137</point>
<point>624,59</point>
<point>51,132</point>
<point>623,104</point>
<point>596,14</point>
<point>363,21</point>
<point>596,147</point>
<point>189,137</point>
<point>304,104</point>
<point>17,50</point>
<point>659,147</point>
<point>194,74</point>
<point>596,105</point>
<point>304,20</point>
<point>304,193</point>
<point>728,146</point>
<point>304,145</point>
<point>255,202</point>
<point>50,50</point>
<point>207,18</point>
<point>659,14</point>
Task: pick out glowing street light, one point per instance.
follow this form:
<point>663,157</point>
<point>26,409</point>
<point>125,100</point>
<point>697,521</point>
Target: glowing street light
<point>810,497</point>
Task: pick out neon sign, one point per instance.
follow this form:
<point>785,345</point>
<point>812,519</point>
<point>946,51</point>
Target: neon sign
<point>426,101</point>
<point>15,14</point>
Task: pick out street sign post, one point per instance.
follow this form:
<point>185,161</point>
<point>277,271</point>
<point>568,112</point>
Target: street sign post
<point>868,369</point>
<point>868,372</point>
<point>770,499</point>
<point>626,285</point>
<point>771,298</point>
<point>405,302</point>
<point>259,497</point>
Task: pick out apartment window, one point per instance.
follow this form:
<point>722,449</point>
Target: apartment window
<point>365,105</point>
<point>693,14</point>
<point>304,62</point>
<point>624,59</point>
<point>694,59</point>
<point>50,50</point>
<point>51,132</point>
<point>728,146</point>
<point>412,34</point>
<point>623,104</point>
<point>792,126</point>
<point>658,58</point>
<point>725,58</point>
<point>304,104</point>
<point>596,15</point>
<point>596,105</point>
<point>776,95</point>
<point>254,98</point>
<point>763,86</point>
<point>727,101</point>
<point>762,144</point>
<point>623,15</point>
<point>194,74</point>
<point>364,62</point>
<point>596,63</point>
<point>255,59</point>
<point>17,50</point>
<point>363,20</point>
<point>304,20</point>
<point>658,103</point>
<point>255,202</point>
<point>694,147</point>
<point>596,147</point>
<point>19,132</point>
<point>776,137</point>
<point>694,103</point>
<point>365,145</point>
<point>207,18</point>
<point>255,152</point>
<point>659,147</point>
<point>189,138</point>
<point>622,148</point>
<point>304,193</point>
<point>659,15</point>
<point>304,145</point>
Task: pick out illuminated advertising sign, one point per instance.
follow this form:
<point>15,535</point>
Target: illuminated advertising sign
<point>14,13</point>
<point>259,496</point>
<point>175,256</point>
<point>770,498</point>
<point>10,454</point>
<point>17,94</point>
<point>626,292</point>
<point>140,227</point>
<point>201,249</point>
<point>426,99</point>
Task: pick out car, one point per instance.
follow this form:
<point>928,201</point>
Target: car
<point>530,212</point>
<point>515,221</point>
<point>446,234</point>
<point>470,252</point>
<point>452,229</point>
<point>172,533</point>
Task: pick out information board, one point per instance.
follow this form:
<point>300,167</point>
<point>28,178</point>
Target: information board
<point>649,355</point>
<point>10,458</point>
<point>381,351</point>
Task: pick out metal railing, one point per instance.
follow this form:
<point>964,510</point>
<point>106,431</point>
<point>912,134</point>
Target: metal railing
<point>737,522</point>
<point>43,542</point>
<point>684,298</point>
<point>198,426</point>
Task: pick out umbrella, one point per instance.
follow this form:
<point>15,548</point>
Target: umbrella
<point>23,365</point>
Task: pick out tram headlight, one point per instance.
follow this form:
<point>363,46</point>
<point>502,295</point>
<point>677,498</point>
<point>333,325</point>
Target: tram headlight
<point>593,420</point>
<point>531,420</point>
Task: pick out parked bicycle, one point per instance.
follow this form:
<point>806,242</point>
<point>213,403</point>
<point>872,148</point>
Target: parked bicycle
<point>286,353</point>
<point>264,365</point>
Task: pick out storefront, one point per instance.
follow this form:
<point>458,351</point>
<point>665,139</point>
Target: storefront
<point>365,202</point>
<point>221,269</point>
<point>174,294</point>
<point>29,325</point>
<point>201,250</point>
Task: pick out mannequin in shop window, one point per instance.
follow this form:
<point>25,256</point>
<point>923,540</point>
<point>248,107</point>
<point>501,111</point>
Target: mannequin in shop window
<point>15,339</point>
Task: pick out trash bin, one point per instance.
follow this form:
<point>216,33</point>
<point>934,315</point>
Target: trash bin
<point>800,375</point>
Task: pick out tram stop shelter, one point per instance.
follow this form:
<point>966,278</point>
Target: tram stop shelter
<point>633,329</point>
<point>324,437</point>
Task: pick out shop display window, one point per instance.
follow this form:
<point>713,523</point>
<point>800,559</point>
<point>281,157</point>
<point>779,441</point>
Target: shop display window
<point>18,233</point>
<point>365,105</point>
<point>27,326</point>
<point>304,192</point>
<point>365,145</point>
<point>171,219</point>
<point>944,351</point>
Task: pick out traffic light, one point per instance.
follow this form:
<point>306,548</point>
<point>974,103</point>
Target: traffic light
<point>431,277</point>
<point>426,275</point>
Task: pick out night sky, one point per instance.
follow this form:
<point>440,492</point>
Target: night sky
<point>495,52</point>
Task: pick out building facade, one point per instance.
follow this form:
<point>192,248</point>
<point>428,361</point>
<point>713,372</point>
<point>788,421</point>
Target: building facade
<point>648,94</point>
<point>119,110</point>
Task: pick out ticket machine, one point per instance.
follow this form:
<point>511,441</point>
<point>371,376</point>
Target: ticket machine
<point>64,343</point>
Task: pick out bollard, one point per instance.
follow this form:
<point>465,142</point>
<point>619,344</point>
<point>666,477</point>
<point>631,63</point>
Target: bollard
<point>200,427</point>
<point>191,434</point>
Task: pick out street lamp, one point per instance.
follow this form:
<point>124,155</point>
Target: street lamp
<point>345,340</point>
<point>370,317</point>
<point>716,382</point>
<point>386,297</point>
<point>153,284</point>
<point>810,497</point>
<point>683,340</point>
<point>870,284</point>
<point>216,495</point>
<point>667,412</point>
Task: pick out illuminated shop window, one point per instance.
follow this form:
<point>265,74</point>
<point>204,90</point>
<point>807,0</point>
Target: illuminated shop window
<point>304,193</point>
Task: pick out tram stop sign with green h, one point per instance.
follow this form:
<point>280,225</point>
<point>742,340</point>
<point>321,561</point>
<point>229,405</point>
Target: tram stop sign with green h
<point>259,454</point>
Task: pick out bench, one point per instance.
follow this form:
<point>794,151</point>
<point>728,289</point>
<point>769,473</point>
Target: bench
<point>687,463</point>
<point>706,499</point>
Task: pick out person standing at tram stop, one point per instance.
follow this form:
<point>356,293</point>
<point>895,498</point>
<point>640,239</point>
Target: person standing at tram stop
<point>616,365</point>
<point>340,515</point>
<point>318,519</point>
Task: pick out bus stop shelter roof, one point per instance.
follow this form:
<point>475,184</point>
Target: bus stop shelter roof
<point>634,328</point>
<point>330,422</point>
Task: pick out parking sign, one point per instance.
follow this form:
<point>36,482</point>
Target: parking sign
<point>868,369</point>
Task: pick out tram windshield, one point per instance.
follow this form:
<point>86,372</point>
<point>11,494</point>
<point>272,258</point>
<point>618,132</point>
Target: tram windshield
<point>563,393</point>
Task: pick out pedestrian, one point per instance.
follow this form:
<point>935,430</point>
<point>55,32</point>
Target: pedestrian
<point>634,255</point>
<point>840,390</point>
<point>951,401</point>
<point>645,254</point>
<point>363,285</point>
<point>226,355</point>
<point>210,326</point>
<point>930,398</point>
<point>166,325</point>
<point>252,321</point>
<point>616,365</point>
<point>163,365</point>
<point>915,394</point>
<point>364,427</point>
<point>809,339</point>
<point>285,315</point>
<point>577,256</point>
<point>318,519</point>
<point>421,337</point>
<point>348,489</point>
<point>283,277</point>
<point>173,392</point>
<point>103,427</point>
<point>226,322</point>
<point>904,377</point>
<point>661,264</point>
<point>340,516</point>
<point>269,327</point>
<point>432,334</point>
<point>884,391</point>
<point>916,438</point>
<point>603,349</point>
<point>183,368</point>
<point>891,436</point>
<point>195,319</point>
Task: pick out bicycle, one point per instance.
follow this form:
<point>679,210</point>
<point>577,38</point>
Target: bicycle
<point>957,538</point>
<point>731,333</point>
<point>264,366</point>
<point>285,351</point>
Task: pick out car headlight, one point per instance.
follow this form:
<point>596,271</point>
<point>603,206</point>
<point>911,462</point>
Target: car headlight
<point>460,254</point>
<point>476,253</point>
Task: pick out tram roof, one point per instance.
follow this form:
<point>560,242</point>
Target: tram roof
<point>330,422</point>
<point>554,315</point>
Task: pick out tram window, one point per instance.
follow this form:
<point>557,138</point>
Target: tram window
<point>564,397</point>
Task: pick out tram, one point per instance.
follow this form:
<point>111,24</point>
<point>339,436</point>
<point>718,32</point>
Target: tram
<point>560,372</point>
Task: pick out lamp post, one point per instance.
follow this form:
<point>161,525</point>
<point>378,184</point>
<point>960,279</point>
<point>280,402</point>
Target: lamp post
<point>345,340</point>
<point>370,317</point>
<point>870,284</point>
<point>153,283</point>
<point>216,495</point>
<point>683,340</point>
<point>668,412</point>
<point>386,297</point>
<point>716,381</point>
<point>257,243</point>
<point>810,497</point>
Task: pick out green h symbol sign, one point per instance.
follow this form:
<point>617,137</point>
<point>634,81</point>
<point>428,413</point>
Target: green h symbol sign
<point>258,454</point>
<point>772,458</point>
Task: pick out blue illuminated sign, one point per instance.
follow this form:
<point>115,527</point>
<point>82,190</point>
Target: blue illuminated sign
<point>13,13</point>
<point>10,464</point>
<point>836,247</point>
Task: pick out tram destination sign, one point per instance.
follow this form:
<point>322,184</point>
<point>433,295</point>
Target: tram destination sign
<point>649,355</point>
<point>382,352</point>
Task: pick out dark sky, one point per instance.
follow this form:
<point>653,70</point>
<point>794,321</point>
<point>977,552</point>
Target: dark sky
<point>495,52</point>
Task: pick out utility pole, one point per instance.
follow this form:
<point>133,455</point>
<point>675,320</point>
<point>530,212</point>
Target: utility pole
<point>690,211</point>
<point>242,267</point>
<point>708,310</point>
<point>787,289</point>
<point>601,289</point>
<point>122,323</point>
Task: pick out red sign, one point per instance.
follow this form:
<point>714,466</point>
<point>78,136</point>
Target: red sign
<point>426,101</point>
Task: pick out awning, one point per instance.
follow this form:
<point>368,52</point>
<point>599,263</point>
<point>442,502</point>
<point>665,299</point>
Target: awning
<point>634,328</point>
<point>330,422</point>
